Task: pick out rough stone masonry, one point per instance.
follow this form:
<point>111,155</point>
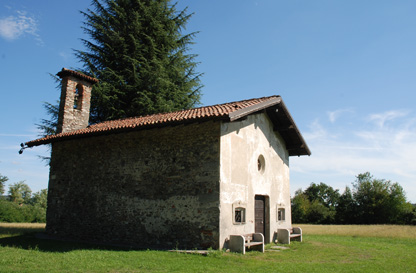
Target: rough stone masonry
<point>150,188</point>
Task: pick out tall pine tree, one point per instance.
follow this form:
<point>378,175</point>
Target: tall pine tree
<point>139,53</point>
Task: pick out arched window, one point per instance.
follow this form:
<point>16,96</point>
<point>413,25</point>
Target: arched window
<point>261,164</point>
<point>78,97</point>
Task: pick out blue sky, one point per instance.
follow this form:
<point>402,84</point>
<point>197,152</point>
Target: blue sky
<point>345,69</point>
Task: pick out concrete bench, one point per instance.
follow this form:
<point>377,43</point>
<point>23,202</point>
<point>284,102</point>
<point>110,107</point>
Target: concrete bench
<point>239,243</point>
<point>284,236</point>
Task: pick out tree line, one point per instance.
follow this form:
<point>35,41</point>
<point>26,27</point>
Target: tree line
<point>369,201</point>
<point>20,205</point>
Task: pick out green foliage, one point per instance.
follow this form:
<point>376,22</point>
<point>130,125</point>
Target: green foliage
<point>379,201</point>
<point>318,213</point>
<point>48,126</point>
<point>372,201</point>
<point>409,217</point>
<point>323,193</point>
<point>315,205</point>
<point>346,210</point>
<point>20,192</point>
<point>138,52</point>
<point>23,206</point>
<point>40,198</point>
<point>12,212</point>
<point>3,180</point>
<point>300,207</point>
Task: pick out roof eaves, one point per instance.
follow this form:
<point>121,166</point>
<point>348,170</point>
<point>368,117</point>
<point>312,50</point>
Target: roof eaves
<point>87,132</point>
<point>254,108</point>
<point>294,127</point>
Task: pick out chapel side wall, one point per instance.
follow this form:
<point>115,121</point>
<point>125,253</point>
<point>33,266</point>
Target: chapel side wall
<point>242,143</point>
<point>150,188</point>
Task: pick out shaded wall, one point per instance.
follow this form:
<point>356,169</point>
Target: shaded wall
<point>151,188</point>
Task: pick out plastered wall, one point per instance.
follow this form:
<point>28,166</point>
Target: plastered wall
<point>242,143</point>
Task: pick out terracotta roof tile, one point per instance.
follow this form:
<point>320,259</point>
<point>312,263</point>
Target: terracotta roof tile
<point>67,72</point>
<point>219,111</point>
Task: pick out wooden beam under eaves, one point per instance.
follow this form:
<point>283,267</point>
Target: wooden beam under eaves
<point>281,129</point>
<point>295,147</point>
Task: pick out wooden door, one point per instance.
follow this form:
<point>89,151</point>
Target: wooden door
<point>259,214</point>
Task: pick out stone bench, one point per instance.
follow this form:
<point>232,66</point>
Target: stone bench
<point>284,236</point>
<point>239,243</point>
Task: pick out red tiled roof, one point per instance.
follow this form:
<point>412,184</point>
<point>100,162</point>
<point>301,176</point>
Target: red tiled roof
<point>230,111</point>
<point>67,72</point>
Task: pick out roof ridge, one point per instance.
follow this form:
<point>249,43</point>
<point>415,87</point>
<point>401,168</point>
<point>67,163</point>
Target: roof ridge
<point>190,109</point>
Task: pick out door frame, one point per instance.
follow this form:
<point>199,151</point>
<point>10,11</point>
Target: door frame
<point>266,216</point>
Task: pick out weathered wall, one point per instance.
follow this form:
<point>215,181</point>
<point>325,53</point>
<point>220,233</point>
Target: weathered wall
<point>151,188</point>
<point>242,143</point>
<point>71,118</point>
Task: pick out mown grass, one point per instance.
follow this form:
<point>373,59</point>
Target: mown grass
<point>351,251</point>
<point>387,231</point>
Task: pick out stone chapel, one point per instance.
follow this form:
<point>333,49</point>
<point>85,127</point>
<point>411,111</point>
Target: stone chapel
<point>186,179</point>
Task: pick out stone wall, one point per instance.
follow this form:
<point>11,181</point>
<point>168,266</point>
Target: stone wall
<point>74,109</point>
<point>150,188</point>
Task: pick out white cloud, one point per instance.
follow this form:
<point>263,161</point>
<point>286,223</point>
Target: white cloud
<point>65,56</point>
<point>316,131</point>
<point>14,27</point>
<point>334,115</point>
<point>385,147</point>
<point>381,118</point>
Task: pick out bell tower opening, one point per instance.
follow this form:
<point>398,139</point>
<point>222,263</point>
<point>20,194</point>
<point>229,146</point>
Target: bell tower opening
<point>78,97</point>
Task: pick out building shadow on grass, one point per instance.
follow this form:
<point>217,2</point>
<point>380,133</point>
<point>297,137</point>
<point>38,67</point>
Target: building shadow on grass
<point>40,242</point>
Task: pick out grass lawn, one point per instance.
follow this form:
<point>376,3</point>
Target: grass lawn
<point>325,249</point>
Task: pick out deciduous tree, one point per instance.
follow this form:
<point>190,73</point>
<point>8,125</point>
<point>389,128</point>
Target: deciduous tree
<point>300,205</point>
<point>40,198</point>
<point>3,180</point>
<point>378,201</point>
<point>20,192</point>
<point>323,193</point>
<point>346,212</point>
<point>371,201</point>
<point>316,205</point>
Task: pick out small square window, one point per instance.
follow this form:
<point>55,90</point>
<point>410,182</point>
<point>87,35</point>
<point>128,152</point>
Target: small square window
<point>239,216</point>
<point>239,213</point>
<point>281,214</point>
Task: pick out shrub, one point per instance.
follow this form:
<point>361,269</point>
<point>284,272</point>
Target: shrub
<point>13,213</point>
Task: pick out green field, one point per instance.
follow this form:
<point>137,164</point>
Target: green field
<point>325,249</point>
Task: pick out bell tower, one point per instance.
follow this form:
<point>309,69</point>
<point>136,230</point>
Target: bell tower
<point>74,107</point>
